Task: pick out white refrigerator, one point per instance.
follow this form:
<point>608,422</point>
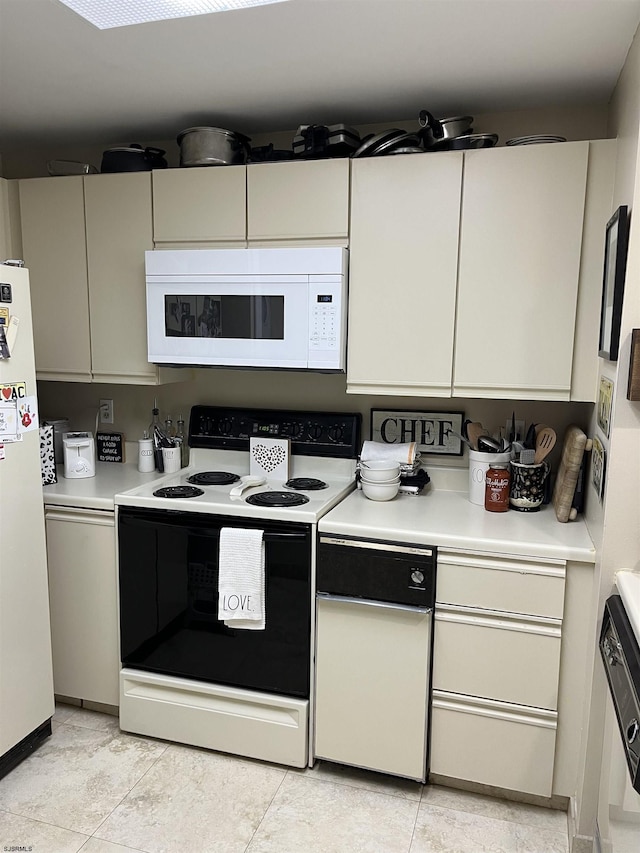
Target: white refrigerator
<point>26,679</point>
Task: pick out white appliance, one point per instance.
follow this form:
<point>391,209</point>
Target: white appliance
<point>272,308</point>
<point>26,680</point>
<point>185,676</point>
<point>79,455</point>
<point>618,824</point>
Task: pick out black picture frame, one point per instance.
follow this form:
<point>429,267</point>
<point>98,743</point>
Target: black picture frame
<point>615,262</point>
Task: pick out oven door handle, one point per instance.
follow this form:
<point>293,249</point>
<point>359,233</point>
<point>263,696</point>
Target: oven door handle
<point>283,537</point>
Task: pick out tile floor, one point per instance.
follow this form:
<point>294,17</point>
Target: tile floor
<point>92,788</point>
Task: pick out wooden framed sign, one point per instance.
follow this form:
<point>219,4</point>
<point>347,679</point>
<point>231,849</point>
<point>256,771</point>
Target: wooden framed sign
<point>109,447</point>
<point>434,432</point>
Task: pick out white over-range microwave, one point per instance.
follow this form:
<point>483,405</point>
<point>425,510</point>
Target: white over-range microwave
<point>272,308</point>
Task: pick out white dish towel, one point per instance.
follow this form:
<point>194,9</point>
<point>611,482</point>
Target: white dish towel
<point>241,587</point>
<point>405,453</point>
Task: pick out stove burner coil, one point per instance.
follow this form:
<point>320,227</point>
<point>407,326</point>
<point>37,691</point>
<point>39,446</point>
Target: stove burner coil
<point>213,478</point>
<point>277,499</point>
<point>305,484</point>
<point>178,492</point>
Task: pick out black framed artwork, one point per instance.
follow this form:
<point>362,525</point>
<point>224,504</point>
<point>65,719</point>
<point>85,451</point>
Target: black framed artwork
<point>615,262</point>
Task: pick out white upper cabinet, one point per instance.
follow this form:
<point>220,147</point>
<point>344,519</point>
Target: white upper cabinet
<point>402,281</point>
<point>204,204</point>
<point>303,200</point>
<point>118,228</point>
<point>53,239</point>
<point>84,240</point>
<point>520,248</point>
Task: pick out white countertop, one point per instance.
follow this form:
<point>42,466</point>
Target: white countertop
<point>449,520</point>
<point>96,492</point>
<point>628,584</point>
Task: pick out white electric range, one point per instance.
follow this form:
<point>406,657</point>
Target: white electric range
<point>187,675</point>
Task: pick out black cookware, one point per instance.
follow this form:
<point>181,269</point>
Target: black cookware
<point>319,140</point>
<point>135,158</point>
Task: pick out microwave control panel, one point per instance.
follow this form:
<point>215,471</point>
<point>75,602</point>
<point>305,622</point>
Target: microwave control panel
<point>327,327</point>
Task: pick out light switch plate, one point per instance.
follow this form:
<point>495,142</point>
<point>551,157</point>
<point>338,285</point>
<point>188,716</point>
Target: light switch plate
<point>269,457</point>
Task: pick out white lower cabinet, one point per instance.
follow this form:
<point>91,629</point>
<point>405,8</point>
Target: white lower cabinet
<point>81,555</point>
<point>372,667</point>
<point>496,670</point>
<point>494,743</point>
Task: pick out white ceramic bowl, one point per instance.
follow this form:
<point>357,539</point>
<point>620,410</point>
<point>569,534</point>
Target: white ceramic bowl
<point>377,471</point>
<point>382,482</point>
<point>381,491</point>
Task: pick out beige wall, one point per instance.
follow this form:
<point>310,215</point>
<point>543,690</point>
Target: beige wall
<point>586,122</point>
<point>615,523</point>
<point>280,390</point>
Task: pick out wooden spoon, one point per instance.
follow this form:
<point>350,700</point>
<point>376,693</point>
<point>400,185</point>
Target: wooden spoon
<point>474,431</point>
<point>545,442</point>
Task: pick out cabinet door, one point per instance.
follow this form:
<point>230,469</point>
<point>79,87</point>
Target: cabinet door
<point>81,556</point>
<point>402,280</point>
<point>53,238</point>
<point>298,201</point>
<point>520,246</point>
<point>118,223</point>
<point>200,205</point>
<point>5,227</point>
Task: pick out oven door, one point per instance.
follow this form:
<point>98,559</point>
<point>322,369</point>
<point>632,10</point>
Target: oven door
<point>256,321</point>
<point>168,569</point>
<point>618,826</point>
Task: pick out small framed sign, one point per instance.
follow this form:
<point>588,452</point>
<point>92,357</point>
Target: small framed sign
<point>434,432</point>
<point>615,262</point>
<point>605,403</point>
<point>598,466</point>
<point>110,447</point>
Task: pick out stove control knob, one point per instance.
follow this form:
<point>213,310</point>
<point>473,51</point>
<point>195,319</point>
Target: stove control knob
<point>315,430</point>
<point>292,429</point>
<point>632,731</point>
<point>336,432</point>
<point>225,426</point>
<point>417,576</point>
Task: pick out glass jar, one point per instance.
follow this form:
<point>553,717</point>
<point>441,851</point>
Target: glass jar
<point>496,491</point>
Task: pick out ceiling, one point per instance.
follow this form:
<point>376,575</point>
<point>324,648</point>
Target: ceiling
<point>273,68</point>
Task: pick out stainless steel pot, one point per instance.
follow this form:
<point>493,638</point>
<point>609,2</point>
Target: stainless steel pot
<point>435,130</point>
<point>212,146</point>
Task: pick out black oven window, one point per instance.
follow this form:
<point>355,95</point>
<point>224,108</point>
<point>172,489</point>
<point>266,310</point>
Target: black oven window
<point>256,317</point>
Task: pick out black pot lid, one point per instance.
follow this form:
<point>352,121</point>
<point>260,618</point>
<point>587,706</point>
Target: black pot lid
<point>369,145</point>
<point>402,141</point>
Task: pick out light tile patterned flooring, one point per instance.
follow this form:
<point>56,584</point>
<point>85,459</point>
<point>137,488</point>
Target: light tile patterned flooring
<point>93,788</point>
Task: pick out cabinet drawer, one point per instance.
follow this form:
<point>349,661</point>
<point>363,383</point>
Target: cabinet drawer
<point>497,656</point>
<point>493,743</point>
<point>495,583</point>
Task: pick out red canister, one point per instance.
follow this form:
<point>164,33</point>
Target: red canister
<point>496,491</point>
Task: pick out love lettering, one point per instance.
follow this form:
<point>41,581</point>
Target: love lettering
<point>237,602</point>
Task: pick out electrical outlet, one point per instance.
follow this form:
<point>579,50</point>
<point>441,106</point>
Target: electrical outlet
<point>519,436</point>
<point>106,411</point>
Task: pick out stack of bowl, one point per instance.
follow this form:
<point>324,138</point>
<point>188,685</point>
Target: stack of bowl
<point>380,479</point>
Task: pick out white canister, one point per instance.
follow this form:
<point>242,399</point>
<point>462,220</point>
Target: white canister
<point>479,462</point>
<point>146,457</point>
<point>171,459</point>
